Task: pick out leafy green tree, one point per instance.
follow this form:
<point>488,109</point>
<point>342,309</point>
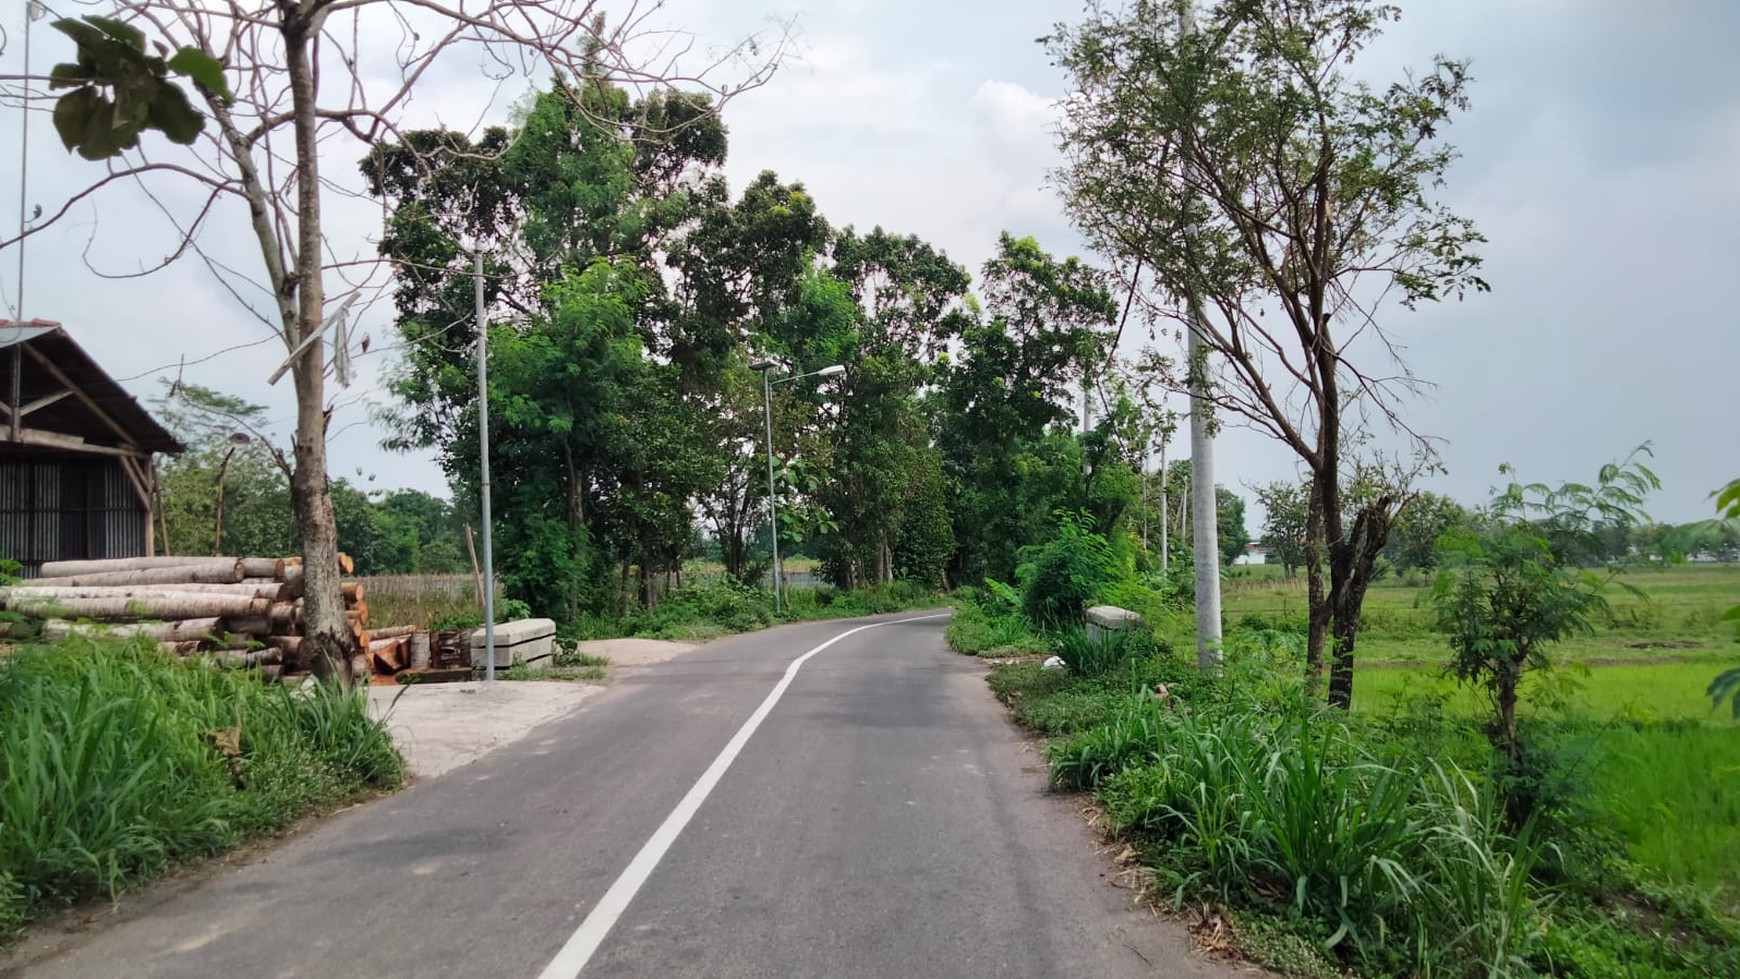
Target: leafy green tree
<point>1706,540</point>
<point>1507,592</point>
<point>904,296</point>
<point>746,270</point>
<point>262,121</point>
<point>1230,519</point>
<point>429,528</point>
<point>225,452</point>
<point>1267,195</point>
<point>1414,535</point>
<point>924,539</point>
<point>1286,510</point>
<point>603,380</point>
<point>1042,322</point>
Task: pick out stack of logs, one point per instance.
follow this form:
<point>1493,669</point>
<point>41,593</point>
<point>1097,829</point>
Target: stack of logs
<point>242,612</point>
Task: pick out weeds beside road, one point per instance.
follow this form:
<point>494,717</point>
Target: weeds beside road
<point>118,762</point>
<point>1375,842</point>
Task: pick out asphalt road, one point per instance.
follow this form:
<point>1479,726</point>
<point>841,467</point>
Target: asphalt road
<point>884,819</point>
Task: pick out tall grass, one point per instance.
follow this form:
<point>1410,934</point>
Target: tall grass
<point>1672,792</point>
<point>979,631</point>
<point>117,762</point>
<point>1397,869</point>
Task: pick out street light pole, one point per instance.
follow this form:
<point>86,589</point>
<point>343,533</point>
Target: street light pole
<point>767,383</point>
<point>772,505</point>
<point>483,455</point>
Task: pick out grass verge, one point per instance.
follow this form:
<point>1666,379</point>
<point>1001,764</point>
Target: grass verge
<point>118,762</point>
<point>1375,844</point>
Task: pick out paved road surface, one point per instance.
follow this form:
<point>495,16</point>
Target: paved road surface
<point>884,819</point>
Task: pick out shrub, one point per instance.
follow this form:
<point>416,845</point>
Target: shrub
<point>1090,657</point>
<point>705,608</point>
<point>1062,576</point>
<point>1290,813</point>
<point>977,632</point>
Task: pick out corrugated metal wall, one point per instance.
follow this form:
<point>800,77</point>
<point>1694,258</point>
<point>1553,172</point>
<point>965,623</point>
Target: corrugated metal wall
<point>67,509</point>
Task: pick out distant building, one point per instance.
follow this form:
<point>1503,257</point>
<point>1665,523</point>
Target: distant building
<point>1254,554</point>
<point>77,478</point>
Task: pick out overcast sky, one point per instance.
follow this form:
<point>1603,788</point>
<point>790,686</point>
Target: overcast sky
<point>1600,157</point>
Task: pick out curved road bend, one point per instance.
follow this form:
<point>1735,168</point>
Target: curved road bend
<point>884,819</point>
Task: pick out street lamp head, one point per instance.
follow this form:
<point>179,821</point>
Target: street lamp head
<point>761,365</point>
<point>831,371</point>
<point>240,438</point>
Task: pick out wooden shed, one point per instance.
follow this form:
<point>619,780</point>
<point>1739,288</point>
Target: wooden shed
<point>76,473</point>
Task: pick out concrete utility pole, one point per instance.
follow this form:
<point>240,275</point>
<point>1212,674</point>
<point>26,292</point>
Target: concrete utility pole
<point>1205,535</point>
<point>1165,558</point>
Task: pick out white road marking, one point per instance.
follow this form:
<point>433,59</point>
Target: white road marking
<point>585,941</point>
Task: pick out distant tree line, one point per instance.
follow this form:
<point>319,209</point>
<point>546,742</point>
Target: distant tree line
<point>1427,517</point>
<point>229,496</point>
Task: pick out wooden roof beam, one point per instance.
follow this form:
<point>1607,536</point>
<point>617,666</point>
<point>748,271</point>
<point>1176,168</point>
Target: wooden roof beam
<point>6,409</point>
<point>72,443</point>
<point>88,401</point>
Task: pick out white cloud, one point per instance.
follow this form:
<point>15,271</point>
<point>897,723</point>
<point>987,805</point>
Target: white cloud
<point>1016,119</point>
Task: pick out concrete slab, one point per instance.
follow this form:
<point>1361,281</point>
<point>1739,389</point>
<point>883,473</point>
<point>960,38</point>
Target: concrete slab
<point>441,726</point>
<point>635,652</point>
<point>1105,620</point>
<point>527,640</point>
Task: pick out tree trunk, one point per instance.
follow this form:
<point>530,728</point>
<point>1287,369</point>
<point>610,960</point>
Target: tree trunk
<point>215,575</point>
<point>1511,741</point>
<point>153,605</point>
<point>69,569</point>
<point>1316,601</point>
<point>327,645</point>
<point>187,630</point>
<point>1346,631</point>
<point>33,592</point>
<point>1351,565</point>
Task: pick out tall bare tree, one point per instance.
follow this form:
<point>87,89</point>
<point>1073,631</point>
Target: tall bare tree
<point>1245,173</point>
<point>276,88</point>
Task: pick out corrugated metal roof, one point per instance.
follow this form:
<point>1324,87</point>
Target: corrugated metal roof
<point>11,333</point>
<point>56,345</point>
